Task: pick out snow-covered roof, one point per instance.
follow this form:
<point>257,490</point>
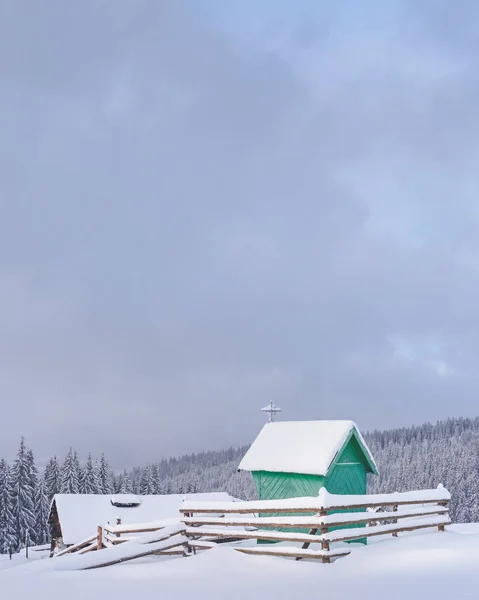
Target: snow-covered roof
<point>80,514</point>
<point>308,447</point>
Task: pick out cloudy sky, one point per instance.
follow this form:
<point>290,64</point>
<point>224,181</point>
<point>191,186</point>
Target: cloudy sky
<point>206,205</point>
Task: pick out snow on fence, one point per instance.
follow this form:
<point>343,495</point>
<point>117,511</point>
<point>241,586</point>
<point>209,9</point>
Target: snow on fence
<point>409,511</point>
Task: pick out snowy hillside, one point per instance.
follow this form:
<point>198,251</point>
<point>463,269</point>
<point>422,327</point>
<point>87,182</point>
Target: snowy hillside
<point>435,565</point>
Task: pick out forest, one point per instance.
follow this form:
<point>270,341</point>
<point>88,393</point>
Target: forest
<point>408,458</point>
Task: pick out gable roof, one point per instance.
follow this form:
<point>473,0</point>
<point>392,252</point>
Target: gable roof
<point>80,514</point>
<point>307,447</point>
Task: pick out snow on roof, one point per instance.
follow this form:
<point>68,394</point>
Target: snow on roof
<point>299,446</point>
<point>80,514</point>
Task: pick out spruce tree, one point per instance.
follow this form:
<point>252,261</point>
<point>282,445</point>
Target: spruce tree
<point>105,477</point>
<point>53,480</point>
<point>23,491</point>
<point>89,479</point>
<point>42,511</point>
<point>125,486</point>
<point>7,534</point>
<point>69,474</point>
<point>147,484</point>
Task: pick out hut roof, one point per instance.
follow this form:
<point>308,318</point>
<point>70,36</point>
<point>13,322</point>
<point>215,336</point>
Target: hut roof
<point>80,514</point>
<point>307,447</point>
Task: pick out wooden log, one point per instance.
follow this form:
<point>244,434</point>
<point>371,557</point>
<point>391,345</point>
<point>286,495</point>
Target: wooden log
<point>140,554</point>
<point>311,522</point>
<point>92,546</point>
<point>370,531</point>
<point>99,538</point>
<point>295,510</point>
<point>77,546</point>
<point>270,536</point>
<point>112,530</point>
<point>295,552</point>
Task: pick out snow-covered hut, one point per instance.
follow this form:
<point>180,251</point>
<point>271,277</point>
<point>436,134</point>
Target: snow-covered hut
<point>74,517</point>
<point>291,459</point>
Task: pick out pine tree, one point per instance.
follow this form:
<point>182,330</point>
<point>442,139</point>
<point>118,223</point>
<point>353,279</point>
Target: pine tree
<point>147,484</point>
<point>53,480</point>
<point>42,511</point>
<point>155,476</point>
<point>125,483</point>
<point>7,534</point>
<point>89,479</point>
<point>23,491</point>
<point>70,474</point>
<point>105,477</point>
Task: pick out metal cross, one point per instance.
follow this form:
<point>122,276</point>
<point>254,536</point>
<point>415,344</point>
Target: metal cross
<point>272,410</point>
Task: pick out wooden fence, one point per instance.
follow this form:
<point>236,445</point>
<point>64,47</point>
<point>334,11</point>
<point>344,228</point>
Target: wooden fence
<point>314,524</point>
<point>403,512</point>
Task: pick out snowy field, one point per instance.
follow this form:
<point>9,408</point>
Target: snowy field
<point>432,565</point>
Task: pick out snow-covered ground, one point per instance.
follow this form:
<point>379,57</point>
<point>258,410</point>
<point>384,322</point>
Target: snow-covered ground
<point>432,565</point>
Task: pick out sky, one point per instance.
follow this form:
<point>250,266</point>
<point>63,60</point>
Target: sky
<point>208,205</point>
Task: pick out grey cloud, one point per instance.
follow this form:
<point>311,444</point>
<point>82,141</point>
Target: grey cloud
<point>190,229</point>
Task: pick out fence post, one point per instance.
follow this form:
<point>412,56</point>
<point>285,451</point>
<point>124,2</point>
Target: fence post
<point>395,509</point>
<point>188,548</point>
<point>324,543</point>
<point>99,544</point>
<point>118,522</point>
<point>445,504</point>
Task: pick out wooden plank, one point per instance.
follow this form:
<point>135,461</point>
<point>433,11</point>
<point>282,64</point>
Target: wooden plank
<point>116,540</point>
<point>202,544</point>
<point>77,546</point>
<point>89,548</point>
<point>132,529</point>
<point>295,552</point>
<point>313,522</point>
<point>169,553</point>
<point>370,531</point>
<point>272,536</point>
<point>241,509</point>
<point>140,554</point>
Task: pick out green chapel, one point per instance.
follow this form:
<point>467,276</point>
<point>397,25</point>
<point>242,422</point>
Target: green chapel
<point>290,459</point>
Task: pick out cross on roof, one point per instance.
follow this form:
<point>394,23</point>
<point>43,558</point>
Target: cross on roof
<point>272,410</point>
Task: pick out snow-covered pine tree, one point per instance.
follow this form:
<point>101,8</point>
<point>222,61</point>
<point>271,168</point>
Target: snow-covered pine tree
<point>42,510</point>
<point>69,475</point>
<point>53,479</point>
<point>89,478</point>
<point>155,476</point>
<point>125,486</point>
<point>7,534</point>
<point>147,484</point>
<point>23,492</point>
<point>32,470</point>
<point>105,476</point>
